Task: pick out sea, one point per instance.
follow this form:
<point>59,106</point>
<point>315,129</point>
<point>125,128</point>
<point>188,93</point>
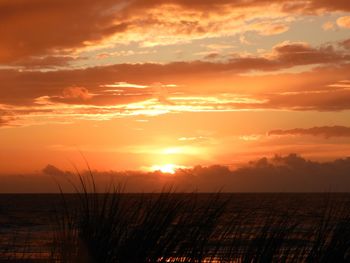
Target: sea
<point>27,221</point>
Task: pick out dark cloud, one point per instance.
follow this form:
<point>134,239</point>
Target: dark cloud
<point>48,62</point>
<point>345,44</point>
<point>291,173</point>
<point>39,27</point>
<point>213,55</point>
<point>2,119</point>
<point>326,100</point>
<point>294,173</point>
<point>325,131</point>
<point>3,122</point>
<point>293,54</point>
<point>6,118</point>
<point>102,99</point>
<point>53,170</point>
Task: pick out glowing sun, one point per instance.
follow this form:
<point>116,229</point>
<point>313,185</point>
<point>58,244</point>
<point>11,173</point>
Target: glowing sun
<point>165,168</point>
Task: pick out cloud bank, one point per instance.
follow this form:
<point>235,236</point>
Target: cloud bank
<point>291,173</point>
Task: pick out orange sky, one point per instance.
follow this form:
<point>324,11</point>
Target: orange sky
<point>161,84</point>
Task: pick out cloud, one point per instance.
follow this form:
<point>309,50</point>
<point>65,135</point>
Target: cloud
<point>24,84</point>
<point>325,131</point>
<point>106,106</point>
<point>3,121</point>
<point>125,85</point>
<point>212,56</point>
<point>44,33</point>
<point>290,173</point>
<point>327,26</point>
<point>76,93</point>
<point>344,21</point>
<point>193,139</point>
<point>218,47</point>
<point>315,6</point>
<point>48,62</point>
<point>300,53</point>
<point>252,137</point>
<point>345,44</point>
<point>107,92</point>
<point>294,173</point>
<point>325,99</point>
<point>287,5</point>
<point>53,170</point>
<point>7,118</point>
<point>39,28</point>
<point>269,29</point>
<point>243,40</point>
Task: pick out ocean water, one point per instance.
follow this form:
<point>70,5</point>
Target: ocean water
<point>27,221</point>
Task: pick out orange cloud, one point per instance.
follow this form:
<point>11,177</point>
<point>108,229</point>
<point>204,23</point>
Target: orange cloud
<point>335,99</point>
<point>268,28</point>
<point>287,5</point>
<point>329,25</point>
<point>108,92</point>
<point>325,131</point>
<point>47,34</point>
<point>5,118</point>
<point>344,21</point>
<point>76,92</point>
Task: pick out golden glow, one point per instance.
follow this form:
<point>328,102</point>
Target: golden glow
<point>189,150</point>
<point>202,84</point>
<point>174,150</point>
<point>165,168</point>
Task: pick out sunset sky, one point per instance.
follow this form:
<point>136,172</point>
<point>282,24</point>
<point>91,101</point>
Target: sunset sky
<point>165,84</point>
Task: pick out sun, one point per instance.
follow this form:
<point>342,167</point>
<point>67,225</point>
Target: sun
<point>165,168</point>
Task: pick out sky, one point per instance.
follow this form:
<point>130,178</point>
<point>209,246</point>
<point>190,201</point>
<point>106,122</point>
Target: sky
<point>147,85</point>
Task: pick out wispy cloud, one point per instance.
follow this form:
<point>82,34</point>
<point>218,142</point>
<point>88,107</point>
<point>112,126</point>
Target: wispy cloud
<point>124,85</point>
<point>325,131</point>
